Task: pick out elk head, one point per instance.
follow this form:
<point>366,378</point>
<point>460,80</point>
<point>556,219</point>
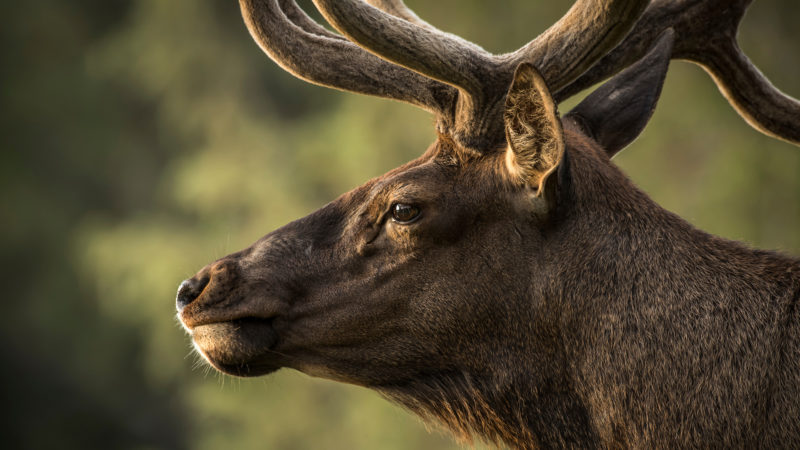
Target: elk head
<point>441,279</point>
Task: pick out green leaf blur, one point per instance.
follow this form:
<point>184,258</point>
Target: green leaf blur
<point>143,139</point>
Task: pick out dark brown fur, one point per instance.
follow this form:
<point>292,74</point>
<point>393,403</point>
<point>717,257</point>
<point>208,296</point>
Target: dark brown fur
<point>539,299</point>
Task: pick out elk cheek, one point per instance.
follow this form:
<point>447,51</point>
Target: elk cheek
<point>402,236</point>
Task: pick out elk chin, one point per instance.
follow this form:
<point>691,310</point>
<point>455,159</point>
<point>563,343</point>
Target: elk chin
<point>241,347</point>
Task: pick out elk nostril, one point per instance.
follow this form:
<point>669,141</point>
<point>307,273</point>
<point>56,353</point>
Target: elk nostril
<point>189,290</point>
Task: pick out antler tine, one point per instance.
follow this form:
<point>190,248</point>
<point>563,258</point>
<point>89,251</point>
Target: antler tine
<point>422,49</point>
<point>706,35</point>
<point>751,94</point>
<point>299,17</point>
<point>398,9</point>
<point>310,52</point>
<point>589,30</point>
<point>660,15</point>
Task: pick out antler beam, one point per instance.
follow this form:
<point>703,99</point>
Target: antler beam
<point>588,31</point>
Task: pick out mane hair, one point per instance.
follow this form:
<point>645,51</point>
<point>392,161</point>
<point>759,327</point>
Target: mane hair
<point>464,407</point>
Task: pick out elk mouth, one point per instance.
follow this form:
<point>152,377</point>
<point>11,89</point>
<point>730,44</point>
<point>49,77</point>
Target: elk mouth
<point>241,347</point>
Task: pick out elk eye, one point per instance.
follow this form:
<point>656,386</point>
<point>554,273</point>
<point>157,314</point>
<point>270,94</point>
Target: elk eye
<point>404,213</point>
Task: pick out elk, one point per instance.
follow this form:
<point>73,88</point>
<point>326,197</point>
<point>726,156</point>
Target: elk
<point>512,283</point>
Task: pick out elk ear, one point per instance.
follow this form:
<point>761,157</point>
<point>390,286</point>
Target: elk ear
<point>533,129</point>
<point>616,113</point>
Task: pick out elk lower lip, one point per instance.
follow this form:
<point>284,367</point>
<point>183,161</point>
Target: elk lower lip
<point>240,347</point>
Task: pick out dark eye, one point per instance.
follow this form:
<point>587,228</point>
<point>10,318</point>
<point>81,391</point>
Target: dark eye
<point>404,213</point>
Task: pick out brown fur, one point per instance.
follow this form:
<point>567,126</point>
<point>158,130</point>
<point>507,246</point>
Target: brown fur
<point>539,299</point>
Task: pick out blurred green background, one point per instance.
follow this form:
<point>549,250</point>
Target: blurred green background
<point>143,139</point>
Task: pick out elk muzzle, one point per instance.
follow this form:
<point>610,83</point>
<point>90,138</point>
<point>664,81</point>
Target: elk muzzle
<point>231,331</point>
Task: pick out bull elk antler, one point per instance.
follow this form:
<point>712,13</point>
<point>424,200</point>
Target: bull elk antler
<point>392,53</point>
<point>387,51</point>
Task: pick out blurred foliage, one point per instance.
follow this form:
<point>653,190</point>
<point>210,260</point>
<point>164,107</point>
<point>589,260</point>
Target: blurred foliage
<point>143,139</point>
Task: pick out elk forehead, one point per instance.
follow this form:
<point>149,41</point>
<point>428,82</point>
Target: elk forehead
<point>419,183</point>
<point>423,180</point>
